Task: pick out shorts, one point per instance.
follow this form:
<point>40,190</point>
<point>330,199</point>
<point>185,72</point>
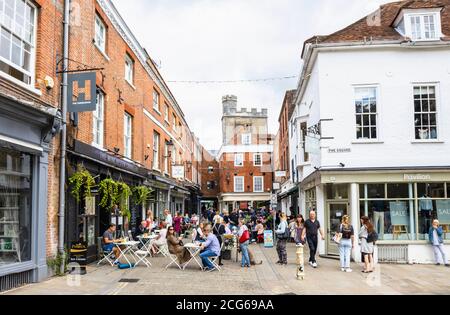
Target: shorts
<point>108,247</point>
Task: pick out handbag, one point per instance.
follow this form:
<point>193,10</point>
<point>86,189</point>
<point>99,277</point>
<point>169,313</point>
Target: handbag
<point>338,236</point>
<point>245,237</point>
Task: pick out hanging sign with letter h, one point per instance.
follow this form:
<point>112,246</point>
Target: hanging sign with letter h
<point>82,92</point>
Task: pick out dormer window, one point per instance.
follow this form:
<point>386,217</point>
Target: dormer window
<point>420,25</point>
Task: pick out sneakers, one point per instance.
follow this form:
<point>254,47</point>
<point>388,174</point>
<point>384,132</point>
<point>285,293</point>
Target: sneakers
<point>314,265</point>
<point>348,270</point>
<point>343,269</point>
<point>311,264</point>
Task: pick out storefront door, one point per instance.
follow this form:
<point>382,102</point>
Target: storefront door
<point>336,210</point>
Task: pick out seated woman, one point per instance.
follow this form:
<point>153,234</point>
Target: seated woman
<point>160,240</point>
<point>176,247</point>
<point>198,233</point>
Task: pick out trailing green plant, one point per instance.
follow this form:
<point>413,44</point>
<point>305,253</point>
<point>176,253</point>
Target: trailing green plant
<point>56,262</point>
<point>124,197</point>
<point>141,194</point>
<point>82,182</point>
<point>109,192</point>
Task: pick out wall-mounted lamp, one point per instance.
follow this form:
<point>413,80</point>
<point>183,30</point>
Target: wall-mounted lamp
<point>116,150</point>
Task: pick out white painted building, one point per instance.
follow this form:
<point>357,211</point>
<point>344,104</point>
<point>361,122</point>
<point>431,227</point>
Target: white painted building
<point>372,109</point>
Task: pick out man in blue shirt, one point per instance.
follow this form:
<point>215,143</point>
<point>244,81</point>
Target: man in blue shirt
<point>211,248</point>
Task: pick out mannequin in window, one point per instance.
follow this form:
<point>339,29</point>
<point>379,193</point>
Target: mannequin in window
<point>378,216</point>
<point>426,209</point>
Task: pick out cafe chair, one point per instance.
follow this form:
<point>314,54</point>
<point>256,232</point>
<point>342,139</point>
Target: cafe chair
<point>163,250</point>
<point>104,255</point>
<point>215,259</point>
<point>173,260</point>
<point>142,257</point>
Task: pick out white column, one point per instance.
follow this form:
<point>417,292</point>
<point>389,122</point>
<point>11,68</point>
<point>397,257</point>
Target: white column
<point>321,216</point>
<point>355,220</point>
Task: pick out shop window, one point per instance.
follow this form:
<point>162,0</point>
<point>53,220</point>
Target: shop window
<point>398,191</point>
<point>15,207</point>
<point>432,190</point>
<point>376,191</point>
<point>311,200</point>
<point>337,191</point>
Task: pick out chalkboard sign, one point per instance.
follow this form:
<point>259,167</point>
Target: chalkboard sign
<point>268,239</point>
<point>399,213</point>
<point>443,211</point>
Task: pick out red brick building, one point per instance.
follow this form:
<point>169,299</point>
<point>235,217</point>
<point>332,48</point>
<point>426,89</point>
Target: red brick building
<point>245,158</point>
<point>210,172</point>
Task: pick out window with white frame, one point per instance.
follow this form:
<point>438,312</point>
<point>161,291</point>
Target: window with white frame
<point>128,136</point>
<point>239,159</point>
<point>257,159</point>
<point>156,100</point>
<point>98,115</point>
<point>129,69</point>
<point>239,184</point>
<point>100,34</point>
<point>166,113</point>
<point>166,158</point>
<point>156,150</point>
<point>424,27</point>
<point>17,39</point>
<point>247,139</point>
<point>258,184</point>
<point>174,122</point>
<point>366,112</point>
<point>425,112</point>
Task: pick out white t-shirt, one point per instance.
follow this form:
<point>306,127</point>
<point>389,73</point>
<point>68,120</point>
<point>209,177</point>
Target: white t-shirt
<point>163,237</point>
<point>169,220</point>
<point>242,229</point>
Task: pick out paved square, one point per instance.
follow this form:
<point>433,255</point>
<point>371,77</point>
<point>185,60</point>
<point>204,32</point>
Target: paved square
<point>265,279</point>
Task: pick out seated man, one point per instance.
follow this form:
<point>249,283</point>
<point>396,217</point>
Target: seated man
<point>211,248</point>
<point>108,241</point>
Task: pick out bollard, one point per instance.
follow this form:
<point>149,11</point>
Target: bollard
<point>300,262</point>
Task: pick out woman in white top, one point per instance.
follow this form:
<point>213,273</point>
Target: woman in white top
<point>198,234</point>
<point>160,240</point>
<point>168,219</point>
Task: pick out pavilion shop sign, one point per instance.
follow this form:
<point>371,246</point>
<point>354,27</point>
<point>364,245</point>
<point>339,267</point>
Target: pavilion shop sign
<point>416,177</point>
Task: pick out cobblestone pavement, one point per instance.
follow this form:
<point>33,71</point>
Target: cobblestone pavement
<point>265,279</point>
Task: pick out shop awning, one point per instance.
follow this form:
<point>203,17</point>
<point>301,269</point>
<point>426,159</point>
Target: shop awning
<point>288,193</point>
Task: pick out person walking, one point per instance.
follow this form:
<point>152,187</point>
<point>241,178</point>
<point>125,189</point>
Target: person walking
<point>299,230</point>
<point>282,239</point>
<point>244,239</point>
<point>168,218</point>
<point>177,220</point>
<point>367,247</point>
<point>435,235</point>
<point>346,243</point>
<point>313,228</point>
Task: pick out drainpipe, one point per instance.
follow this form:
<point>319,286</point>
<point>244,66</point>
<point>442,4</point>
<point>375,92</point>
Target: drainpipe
<point>62,168</point>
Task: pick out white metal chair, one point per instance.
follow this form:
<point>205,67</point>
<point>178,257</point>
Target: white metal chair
<point>142,256</point>
<point>214,260</point>
<point>163,250</point>
<point>104,255</point>
<point>173,258</point>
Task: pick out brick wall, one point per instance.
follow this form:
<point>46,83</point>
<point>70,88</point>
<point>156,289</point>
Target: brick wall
<point>209,161</point>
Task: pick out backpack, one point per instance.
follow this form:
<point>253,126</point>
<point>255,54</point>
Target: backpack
<point>372,237</point>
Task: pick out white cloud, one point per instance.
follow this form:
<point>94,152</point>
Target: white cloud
<point>233,40</point>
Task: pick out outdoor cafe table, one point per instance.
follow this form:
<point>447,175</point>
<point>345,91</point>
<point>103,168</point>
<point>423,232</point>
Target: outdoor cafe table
<point>194,250</point>
<point>124,248</point>
<point>146,240</point>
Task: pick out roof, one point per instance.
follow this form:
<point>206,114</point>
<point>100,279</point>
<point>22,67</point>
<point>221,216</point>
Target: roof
<point>369,28</point>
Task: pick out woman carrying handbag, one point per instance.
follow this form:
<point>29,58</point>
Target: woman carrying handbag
<point>244,240</point>
<point>345,237</point>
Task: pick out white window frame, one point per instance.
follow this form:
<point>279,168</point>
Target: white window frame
<point>260,159</point>
<point>243,184</point>
<point>236,155</point>
<point>408,18</point>
<point>166,158</point>
<point>262,184</point>
<point>100,34</point>
<point>166,112</point>
<point>362,113</point>
<point>129,69</point>
<point>246,138</point>
<point>99,116</point>
<point>156,100</point>
<point>128,135</point>
<point>156,143</point>
<point>13,33</point>
<point>437,91</point>
<point>174,122</point>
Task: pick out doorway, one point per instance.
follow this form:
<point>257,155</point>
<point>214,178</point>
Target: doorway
<point>336,210</point>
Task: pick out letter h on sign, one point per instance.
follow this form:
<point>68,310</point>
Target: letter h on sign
<point>82,94</point>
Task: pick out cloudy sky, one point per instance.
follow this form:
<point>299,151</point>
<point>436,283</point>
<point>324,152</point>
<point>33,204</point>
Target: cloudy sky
<point>233,40</point>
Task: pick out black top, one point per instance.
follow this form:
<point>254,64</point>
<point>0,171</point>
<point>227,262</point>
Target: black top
<point>347,232</point>
<point>312,228</point>
<point>226,218</point>
<point>234,217</point>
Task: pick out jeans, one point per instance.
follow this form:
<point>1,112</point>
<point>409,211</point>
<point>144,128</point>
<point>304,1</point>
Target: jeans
<point>378,220</point>
<point>312,244</point>
<point>204,256</point>
<point>345,249</point>
<point>281,250</point>
<point>439,254</point>
<point>245,256</point>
